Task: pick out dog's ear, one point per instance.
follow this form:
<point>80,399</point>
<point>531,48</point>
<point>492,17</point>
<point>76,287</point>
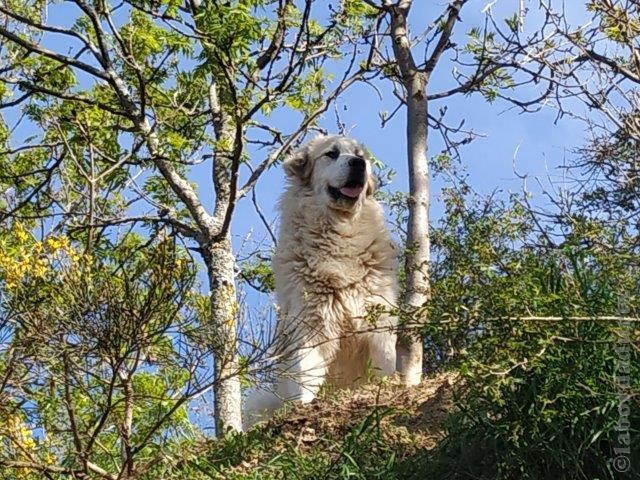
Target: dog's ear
<point>372,185</point>
<point>298,165</point>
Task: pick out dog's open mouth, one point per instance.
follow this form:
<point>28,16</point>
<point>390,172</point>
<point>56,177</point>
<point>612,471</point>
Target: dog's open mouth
<point>350,191</point>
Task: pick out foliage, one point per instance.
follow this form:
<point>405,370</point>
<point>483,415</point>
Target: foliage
<point>617,20</point>
<point>109,108</point>
<point>259,274</point>
<point>526,307</point>
<point>553,413</point>
<point>362,453</point>
<point>94,358</point>
<point>609,164</point>
<point>105,338</point>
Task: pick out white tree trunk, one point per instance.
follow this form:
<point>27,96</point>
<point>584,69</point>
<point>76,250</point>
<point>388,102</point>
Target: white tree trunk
<point>409,354</point>
<point>224,308</point>
<point>418,242</point>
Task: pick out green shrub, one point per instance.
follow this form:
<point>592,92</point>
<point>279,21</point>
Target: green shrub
<point>530,322</point>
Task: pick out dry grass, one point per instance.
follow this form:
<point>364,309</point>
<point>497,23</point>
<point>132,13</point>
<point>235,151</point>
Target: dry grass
<point>409,420</point>
<point>414,415</point>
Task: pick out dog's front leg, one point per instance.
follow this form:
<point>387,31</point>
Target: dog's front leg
<point>382,351</point>
<point>307,370</point>
<point>382,346</point>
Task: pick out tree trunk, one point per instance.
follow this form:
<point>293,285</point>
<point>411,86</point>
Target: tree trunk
<point>418,242</point>
<point>220,263</point>
<point>221,268</point>
<point>409,359</point>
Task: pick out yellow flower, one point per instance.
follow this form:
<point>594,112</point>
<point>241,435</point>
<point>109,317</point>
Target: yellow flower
<point>40,269</point>
<point>21,433</point>
<point>22,268</point>
<point>26,439</point>
<point>56,244</point>
<point>21,234</point>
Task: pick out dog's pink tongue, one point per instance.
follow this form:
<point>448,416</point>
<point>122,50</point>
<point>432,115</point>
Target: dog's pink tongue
<point>352,192</point>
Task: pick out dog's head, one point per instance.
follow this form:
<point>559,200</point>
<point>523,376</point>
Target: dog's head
<point>337,170</point>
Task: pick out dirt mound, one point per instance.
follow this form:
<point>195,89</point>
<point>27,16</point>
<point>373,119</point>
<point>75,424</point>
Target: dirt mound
<point>384,415</point>
<point>412,416</point>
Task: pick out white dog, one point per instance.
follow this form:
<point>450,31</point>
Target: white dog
<point>335,268</point>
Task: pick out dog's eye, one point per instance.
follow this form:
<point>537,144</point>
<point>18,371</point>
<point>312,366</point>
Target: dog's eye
<point>333,154</point>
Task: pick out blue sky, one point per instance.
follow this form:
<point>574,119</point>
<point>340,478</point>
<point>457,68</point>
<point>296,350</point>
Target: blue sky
<point>535,143</point>
<point>541,144</point>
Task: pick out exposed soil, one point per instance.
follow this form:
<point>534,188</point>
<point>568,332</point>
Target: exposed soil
<point>411,415</point>
<point>410,419</point>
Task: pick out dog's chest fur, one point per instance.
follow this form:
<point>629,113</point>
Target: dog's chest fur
<point>340,266</point>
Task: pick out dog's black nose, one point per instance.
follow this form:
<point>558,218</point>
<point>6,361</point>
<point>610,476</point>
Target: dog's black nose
<point>357,163</point>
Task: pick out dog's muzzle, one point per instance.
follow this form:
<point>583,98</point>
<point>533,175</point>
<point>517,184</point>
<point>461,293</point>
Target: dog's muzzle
<point>353,187</point>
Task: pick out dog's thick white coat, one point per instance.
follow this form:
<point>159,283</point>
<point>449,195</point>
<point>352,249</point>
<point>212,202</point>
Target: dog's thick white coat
<point>334,263</point>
